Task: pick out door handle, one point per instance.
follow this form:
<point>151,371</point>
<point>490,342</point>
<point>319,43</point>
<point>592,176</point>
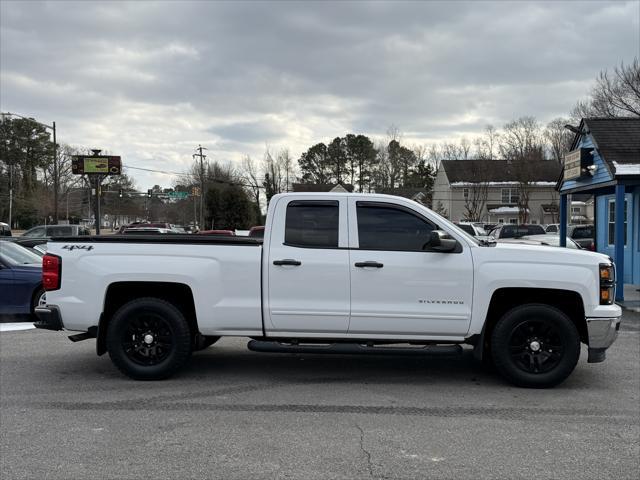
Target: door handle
<point>369,264</point>
<point>287,261</point>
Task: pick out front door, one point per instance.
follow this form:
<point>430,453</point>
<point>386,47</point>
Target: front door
<point>308,268</point>
<point>398,289</point>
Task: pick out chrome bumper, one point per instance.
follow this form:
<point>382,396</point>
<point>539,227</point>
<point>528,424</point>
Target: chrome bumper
<point>602,333</point>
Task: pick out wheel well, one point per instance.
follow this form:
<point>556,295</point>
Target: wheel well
<point>504,299</point>
<point>119,293</point>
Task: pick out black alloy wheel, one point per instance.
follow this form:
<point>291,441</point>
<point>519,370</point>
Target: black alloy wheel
<point>535,346</point>
<point>148,339</point>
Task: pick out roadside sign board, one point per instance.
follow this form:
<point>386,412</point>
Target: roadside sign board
<point>102,164</point>
<point>575,162</point>
<point>180,195</point>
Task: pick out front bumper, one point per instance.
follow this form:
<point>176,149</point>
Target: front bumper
<point>48,318</point>
<point>602,333</point>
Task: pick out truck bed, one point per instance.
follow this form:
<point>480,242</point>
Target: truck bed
<point>163,238</point>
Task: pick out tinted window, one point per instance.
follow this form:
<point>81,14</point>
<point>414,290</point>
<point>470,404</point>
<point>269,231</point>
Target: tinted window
<point>582,233</point>
<point>552,228</point>
<point>59,231</point>
<point>312,224</point>
<point>517,231</point>
<point>388,228</point>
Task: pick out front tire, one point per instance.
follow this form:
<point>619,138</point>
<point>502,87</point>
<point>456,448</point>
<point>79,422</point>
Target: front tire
<point>148,339</point>
<point>535,346</point>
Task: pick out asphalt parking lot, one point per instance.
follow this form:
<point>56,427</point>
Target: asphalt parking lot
<point>68,414</point>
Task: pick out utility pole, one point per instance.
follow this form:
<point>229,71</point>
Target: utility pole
<point>10,165</point>
<point>202,189</point>
<point>56,185</point>
<point>55,165</point>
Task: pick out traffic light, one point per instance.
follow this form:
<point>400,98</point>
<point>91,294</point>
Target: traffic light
<point>149,193</point>
<point>120,193</point>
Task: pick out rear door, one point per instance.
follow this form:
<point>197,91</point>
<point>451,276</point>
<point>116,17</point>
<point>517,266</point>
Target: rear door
<point>399,290</point>
<point>308,268</point>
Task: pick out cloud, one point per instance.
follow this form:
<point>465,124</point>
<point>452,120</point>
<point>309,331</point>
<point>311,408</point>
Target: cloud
<point>152,80</point>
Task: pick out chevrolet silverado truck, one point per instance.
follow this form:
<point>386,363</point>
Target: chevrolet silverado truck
<point>335,273</point>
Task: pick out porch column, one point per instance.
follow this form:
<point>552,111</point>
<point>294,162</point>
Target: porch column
<point>619,243</point>
<point>563,220</point>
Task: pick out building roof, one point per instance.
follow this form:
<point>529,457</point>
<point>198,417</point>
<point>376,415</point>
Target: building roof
<point>618,141</point>
<point>322,187</point>
<point>496,171</point>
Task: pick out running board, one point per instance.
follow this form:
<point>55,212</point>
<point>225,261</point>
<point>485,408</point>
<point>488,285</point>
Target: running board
<point>353,349</point>
<point>78,337</point>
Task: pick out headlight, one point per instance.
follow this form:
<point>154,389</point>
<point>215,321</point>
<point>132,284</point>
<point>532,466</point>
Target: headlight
<point>607,283</point>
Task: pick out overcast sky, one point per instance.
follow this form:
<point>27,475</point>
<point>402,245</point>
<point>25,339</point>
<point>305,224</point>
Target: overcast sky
<point>151,80</point>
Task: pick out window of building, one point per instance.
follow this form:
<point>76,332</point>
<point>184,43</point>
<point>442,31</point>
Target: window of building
<point>501,220</point>
<point>510,195</point>
<point>575,209</point>
<point>312,224</point>
<point>612,222</point>
<point>390,228</point>
<point>513,221</point>
<point>465,193</point>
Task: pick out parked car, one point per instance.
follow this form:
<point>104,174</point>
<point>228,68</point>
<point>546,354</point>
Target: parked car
<point>472,229</point>
<point>145,230</point>
<point>228,233</point>
<point>583,235</point>
<point>549,240</point>
<point>257,232</point>
<point>509,230</point>
<point>5,230</point>
<point>57,231</point>
<point>336,273</point>
<point>20,280</point>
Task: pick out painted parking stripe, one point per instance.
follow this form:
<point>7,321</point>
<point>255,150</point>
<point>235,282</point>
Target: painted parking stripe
<point>12,327</point>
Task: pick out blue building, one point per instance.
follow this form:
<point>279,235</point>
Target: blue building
<point>605,161</point>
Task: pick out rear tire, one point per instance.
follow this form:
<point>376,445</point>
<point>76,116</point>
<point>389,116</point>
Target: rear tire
<point>148,339</point>
<point>535,346</point>
<point>39,299</point>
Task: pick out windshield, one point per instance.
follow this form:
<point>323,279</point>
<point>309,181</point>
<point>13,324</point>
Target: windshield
<point>13,254</point>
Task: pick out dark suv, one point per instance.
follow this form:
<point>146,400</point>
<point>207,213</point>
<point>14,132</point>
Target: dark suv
<point>583,235</point>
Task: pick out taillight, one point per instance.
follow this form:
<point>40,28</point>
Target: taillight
<point>51,271</point>
<point>592,247</point>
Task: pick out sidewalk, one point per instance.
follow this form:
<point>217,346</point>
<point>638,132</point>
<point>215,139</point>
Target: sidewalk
<point>631,298</point>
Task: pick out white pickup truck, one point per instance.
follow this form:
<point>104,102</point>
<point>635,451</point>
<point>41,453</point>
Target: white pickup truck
<point>336,273</point>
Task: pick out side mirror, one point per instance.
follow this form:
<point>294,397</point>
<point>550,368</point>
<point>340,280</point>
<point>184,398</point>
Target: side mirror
<point>440,241</point>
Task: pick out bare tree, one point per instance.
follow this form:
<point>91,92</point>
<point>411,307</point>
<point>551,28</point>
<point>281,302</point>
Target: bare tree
<point>614,95</point>
<point>558,138</point>
<point>465,148</point>
<point>487,145</point>
<point>251,178</point>
<point>477,193</point>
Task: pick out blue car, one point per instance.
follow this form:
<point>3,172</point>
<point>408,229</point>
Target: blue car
<point>20,280</point>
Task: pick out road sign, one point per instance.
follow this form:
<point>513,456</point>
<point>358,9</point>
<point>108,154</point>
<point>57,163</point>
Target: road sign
<point>180,195</point>
<point>101,164</point>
